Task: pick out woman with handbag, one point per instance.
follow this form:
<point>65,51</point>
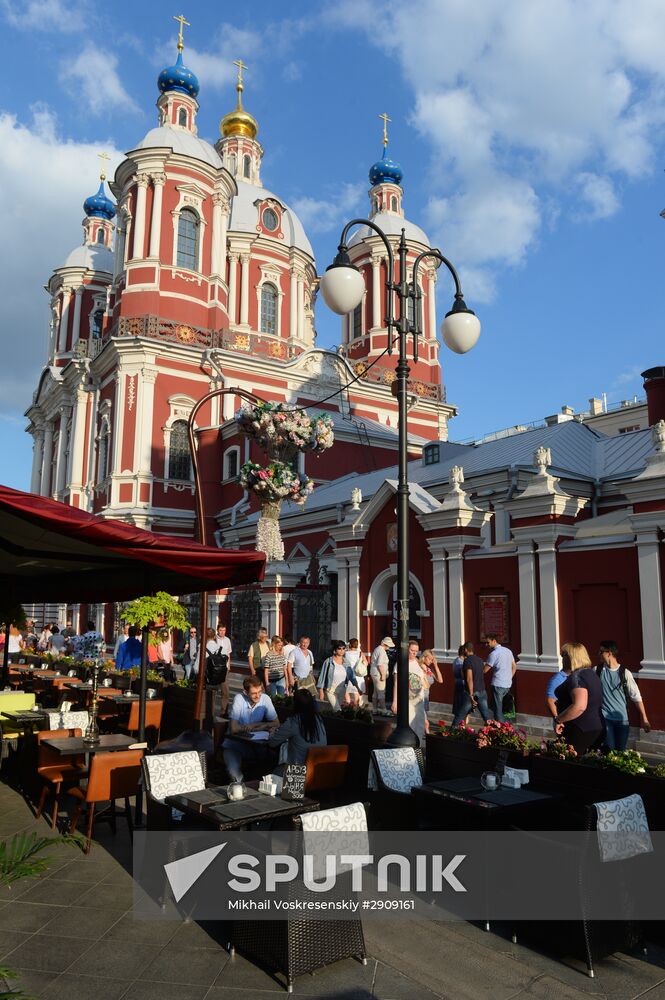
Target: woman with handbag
<point>335,679</point>
<point>357,661</point>
<point>275,667</point>
<point>417,692</point>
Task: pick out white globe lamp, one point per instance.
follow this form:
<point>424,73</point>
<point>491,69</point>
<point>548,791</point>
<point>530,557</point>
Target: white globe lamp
<point>342,286</point>
<point>461,328</point>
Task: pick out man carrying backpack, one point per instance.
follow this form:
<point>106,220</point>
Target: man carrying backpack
<point>618,686</point>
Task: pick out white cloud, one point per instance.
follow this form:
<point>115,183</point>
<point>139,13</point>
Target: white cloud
<point>46,15</point>
<point>43,180</point>
<point>629,376</point>
<point>532,110</point>
<point>319,215</point>
<point>94,76</point>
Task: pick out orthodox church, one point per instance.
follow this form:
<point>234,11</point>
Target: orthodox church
<point>196,277</point>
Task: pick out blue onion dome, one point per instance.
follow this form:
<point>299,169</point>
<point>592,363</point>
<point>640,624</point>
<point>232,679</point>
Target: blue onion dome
<point>178,78</point>
<point>99,206</point>
<point>385,171</point>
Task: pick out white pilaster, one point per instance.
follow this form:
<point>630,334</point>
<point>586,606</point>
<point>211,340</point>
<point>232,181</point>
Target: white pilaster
<point>61,460</point>
<point>118,422</point>
<point>651,600</point>
<point>64,318</point>
<point>75,472</point>
<point>144,428</point>
<point>353,621</point>
<point>220,208</point>
<point>456,599</point>
<point>301,308</point>
<point>439,588</point>
<point>233,281</point>
<point>142,182</point>
<point>376,292</point>
<point>76,326</point>
<point>528,613</point>
<point>244,290</point>
<point>431,306</point>
<point>342,597</point>
<point>45,485</point>
<point>158,180</point>
<point>293,305</point>
<point>549,606</point>
<point>37,458</point>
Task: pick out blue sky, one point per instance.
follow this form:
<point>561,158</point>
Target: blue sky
<point>531,138</point>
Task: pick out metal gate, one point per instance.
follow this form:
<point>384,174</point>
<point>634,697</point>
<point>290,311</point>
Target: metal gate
<point>245,620</point>
<point>312,616</point>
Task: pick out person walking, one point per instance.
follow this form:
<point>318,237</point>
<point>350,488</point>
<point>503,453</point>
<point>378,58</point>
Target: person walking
<point>501,664</point>
<point>579,700</point>
<point>417,691</point>
<point>122,637</point>
<point>275,667</point>
<point>459,689</point>
<point>301,666</point>
<point>129,654</point>
<point>619,688</point>
<point>378,671</point>
<point>225,649</point>
<point>335,678</point>
<point>357,661</point>
<point>555,681</point>
<point>257,651</point>
<point>190,660</point>
<point>57,642</point>
<point>475,694</point>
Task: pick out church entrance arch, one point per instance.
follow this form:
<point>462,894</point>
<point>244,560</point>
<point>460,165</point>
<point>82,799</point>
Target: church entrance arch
<point>382,605</point>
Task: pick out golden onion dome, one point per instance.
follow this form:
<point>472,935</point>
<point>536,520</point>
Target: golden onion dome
<point>239,121</point>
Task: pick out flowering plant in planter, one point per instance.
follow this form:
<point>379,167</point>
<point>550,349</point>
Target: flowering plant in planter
<point>460,734</point>
<point>356,713</point>
<point>626,761</point>
<point>557,750</point>
<point>283,432</point>
<point>502,734</point>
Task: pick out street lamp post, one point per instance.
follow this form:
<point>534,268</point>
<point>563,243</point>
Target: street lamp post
<point>342,288</point>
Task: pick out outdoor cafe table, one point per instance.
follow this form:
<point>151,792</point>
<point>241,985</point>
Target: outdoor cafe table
<point>213,806</point>
<point>463,803</point>
<point>71,745</point>
<point>28,719</point>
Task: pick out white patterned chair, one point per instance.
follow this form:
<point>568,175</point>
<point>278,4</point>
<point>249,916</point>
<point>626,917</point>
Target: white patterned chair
<point>68,720</point>
<point>170,774</point>
<point>296,947</point>
<point>393,772</point>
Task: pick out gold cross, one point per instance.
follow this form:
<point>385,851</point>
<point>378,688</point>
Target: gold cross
<point>180,18</point>
<point>241,66</point>
<point>386,119</point>
<point>103,157</point>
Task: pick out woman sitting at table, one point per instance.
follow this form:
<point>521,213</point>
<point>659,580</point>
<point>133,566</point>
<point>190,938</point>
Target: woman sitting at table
<point>302,730</point>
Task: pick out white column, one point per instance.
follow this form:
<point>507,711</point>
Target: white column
<point>142,181</point>
<point>64,318</point>
<point>376,292</point>
<point>301,308</point>
<point>117,428</point>
<point>456,599</point>
<point>75,472</point>
<point>439,582</point>
<point>651,601</point>
<point>431,306</point>
<point>37,458</point>
<point>528,612</point>
<point>342,596</point>
<point>549,606</point>
<point>76,326</point>
<point>244,290</point>
<point>353,622</point>
<point>220,207</point>
<point>233,279</point>
<point>60,468</point>
<point>44,487</point>
<point>293,305</point>
<point>158,180</point>
<point>143,439</point>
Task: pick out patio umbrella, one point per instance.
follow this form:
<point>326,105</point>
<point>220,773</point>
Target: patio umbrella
<point>50,551</point>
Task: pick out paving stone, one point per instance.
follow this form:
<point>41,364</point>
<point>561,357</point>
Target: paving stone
<point>109,957</point>
<point>46,953</point>
<point>55,892</point>
<point>392,985</point>
<point>10,939</point>
<point>157,932</point>
<point>194,967</point>
<point>30,917</point>
<point>165,991</point>
<point>83,922</point>
<point>85,988</point>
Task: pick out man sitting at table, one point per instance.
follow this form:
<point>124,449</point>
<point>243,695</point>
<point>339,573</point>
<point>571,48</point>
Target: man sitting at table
<point>252,715</point>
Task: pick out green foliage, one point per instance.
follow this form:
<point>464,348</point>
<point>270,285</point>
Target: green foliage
<point>284,701</point>
<point>626,761</point>
<point>19,857</point>
<point>354,713</point>
<point>153,675</point>
<point>6,973</point>
<point>156,609</point>
<point>557,750</point>
<point>186,682</point>
<point>656,770</point>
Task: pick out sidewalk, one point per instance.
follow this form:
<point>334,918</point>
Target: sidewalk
<point>70,933</point>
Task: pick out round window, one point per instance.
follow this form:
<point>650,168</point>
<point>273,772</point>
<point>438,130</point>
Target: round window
<point>270,220</point>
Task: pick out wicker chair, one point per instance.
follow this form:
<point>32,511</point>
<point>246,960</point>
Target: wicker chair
<point>297,947</point>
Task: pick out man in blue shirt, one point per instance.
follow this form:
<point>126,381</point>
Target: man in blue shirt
<point>253,717</point>
<point>129,654</point>
<point>501,663</point>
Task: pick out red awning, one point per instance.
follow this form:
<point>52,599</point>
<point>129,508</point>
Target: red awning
<point>50,551</point>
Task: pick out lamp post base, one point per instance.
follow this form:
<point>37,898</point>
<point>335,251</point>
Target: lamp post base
<point>403,736</point>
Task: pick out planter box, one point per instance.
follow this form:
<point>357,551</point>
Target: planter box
<point>179,705</point>
<point>360,739</point>
<point>448,758</point>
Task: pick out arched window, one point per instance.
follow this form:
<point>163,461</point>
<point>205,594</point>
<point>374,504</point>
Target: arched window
<point>393,204</point>
<point>180,461</point>
<point>182,117</point>
<point>101,236</point>
<point>247,166</point>
<point>103,452</point>
<point>232,463</point>
<point>97,321</point>
<point>358,321</point>
<point>268,309</point>
<point>188,239</point>
<point>232,163</point>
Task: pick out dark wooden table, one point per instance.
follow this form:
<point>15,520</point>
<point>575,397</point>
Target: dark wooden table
<point>240,814</point>
<point>464,803</point>
<point>27,719</point>
<point>71,745</point>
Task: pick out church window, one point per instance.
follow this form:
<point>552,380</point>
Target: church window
<point>431,454</point>
<point>103,453</point>
<point>246,166</point>
<point>270,219</point>
<point>232,163</point>
<point>393,204</point>
<point>188,239</point>
<point>182,117</point>
<point>358,321</point>
<point>97,321</point>
<point>100,235</point>
<point>269,309</point>
<point>231,463</point>
<point>180,461</point>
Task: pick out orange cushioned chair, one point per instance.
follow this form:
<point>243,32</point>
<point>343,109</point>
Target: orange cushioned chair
<point>113,776</point>
<point>326,767</point>
<point>56,769</point>
<point>153,716</point>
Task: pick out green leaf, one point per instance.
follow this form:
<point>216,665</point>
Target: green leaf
<point>158,609</point>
